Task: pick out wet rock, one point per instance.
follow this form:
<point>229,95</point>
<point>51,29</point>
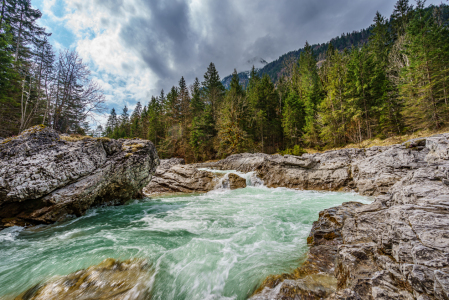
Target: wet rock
<point>328,171</point>
<point>172,176</point>
<point>111,280</point>
<point>44,178</point>
<point>236,182</point>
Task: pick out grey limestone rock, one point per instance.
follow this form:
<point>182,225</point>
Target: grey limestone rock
<point>44,178</point>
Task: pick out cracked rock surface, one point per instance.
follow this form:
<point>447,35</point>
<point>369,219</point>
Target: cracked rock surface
<point>44,179</point>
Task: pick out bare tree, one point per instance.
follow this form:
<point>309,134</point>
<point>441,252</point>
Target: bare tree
<point>75,96</point>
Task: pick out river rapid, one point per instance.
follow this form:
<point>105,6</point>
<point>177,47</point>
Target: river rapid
<point>218,245</point>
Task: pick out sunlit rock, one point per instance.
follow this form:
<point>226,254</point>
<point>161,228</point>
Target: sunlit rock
<point>111,280</point>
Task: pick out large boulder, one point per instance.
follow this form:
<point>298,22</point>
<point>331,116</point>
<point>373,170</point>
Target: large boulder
<point>45,178</point>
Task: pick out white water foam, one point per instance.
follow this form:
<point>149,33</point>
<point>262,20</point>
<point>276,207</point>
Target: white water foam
<point>10,234</point>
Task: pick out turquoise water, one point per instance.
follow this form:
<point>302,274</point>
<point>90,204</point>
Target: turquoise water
<point>218,245</point>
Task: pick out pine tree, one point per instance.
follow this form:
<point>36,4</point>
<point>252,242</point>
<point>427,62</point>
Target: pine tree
<point>401,17</point>
<point>213,89</point>
<point>136,125</point>
<point>389,106</point>
<point>124,128</point>
<point>112,123</point>
<point>333,107</point>
<point>293,117</point>
<point>309,92</point>
<point>196,104</point>
<point>232,135</point>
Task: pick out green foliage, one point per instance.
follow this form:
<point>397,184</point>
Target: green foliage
<point>296,150</point>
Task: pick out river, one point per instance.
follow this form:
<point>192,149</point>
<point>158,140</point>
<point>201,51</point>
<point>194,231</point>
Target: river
<point>218,245</point>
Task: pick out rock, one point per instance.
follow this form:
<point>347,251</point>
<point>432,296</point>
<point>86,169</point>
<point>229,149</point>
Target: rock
<point>328,171</point>
<point>394,248</point>
<point>172,176</point>
<point>168,163</point>
<point>111,279</point>
<point>236,182</point>
<point>44,178</point>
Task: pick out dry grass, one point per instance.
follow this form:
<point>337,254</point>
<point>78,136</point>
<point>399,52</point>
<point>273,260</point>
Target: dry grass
<point>74,137</point>
<point>30,130</point>
<point>78,137</point>
<point>387,142</point>
<point>132,147</point>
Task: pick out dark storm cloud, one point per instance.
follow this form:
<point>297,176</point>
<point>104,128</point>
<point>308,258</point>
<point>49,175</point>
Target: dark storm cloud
<point>180,38</point>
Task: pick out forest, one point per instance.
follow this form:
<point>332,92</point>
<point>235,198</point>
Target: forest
<point>38,85</point>
<point>389,80</point>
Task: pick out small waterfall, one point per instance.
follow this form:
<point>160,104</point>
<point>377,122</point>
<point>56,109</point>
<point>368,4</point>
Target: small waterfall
<point>253,180</point>
<point>223,182</point>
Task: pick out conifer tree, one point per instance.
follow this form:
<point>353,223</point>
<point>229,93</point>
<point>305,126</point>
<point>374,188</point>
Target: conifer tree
<point>111,123</point>
<point>196,104</point>
<point>136,125</point>
<point>401,17</point>
<point>425,104</point>
<point>309,92</point>
<point>232,136</point>
<point>213,89</point>
<point>333,107</point>
<point>293,117</point>
<point>389,107</point>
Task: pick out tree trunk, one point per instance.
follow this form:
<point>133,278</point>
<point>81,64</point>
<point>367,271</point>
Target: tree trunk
<point>18,38</point>
<point>3,13</point>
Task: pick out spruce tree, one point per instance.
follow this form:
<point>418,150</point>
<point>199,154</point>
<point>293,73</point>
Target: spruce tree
<point>309,92</point>
<point>196,104</point>
<point>213,89</point>
<point>232,135</point>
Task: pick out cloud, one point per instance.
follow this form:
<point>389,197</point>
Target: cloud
<point>137,47</point>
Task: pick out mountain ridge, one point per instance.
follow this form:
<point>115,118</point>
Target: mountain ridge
<point>277,68</point>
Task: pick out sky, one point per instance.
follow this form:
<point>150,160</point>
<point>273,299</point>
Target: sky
<point>135,48</point>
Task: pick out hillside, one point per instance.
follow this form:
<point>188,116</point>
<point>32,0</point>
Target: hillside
<point>276,69</point>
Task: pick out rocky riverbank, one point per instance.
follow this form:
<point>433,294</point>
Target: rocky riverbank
<point>46,178</point>
<point>395,248</point>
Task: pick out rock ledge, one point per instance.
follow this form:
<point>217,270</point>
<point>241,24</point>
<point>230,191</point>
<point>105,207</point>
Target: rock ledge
<point>44,178</point>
